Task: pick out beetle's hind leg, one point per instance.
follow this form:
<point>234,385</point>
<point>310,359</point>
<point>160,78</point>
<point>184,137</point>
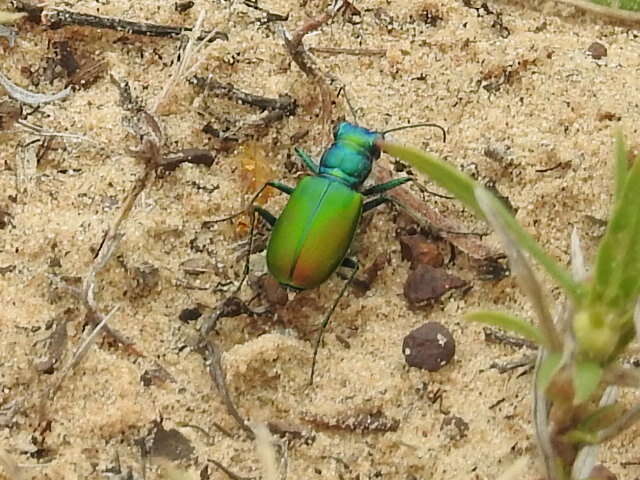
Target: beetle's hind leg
<point>355,266</point>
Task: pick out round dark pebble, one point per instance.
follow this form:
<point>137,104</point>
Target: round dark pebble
<point>190,314</point>
<point>429,347</point>
<point>597,50</point>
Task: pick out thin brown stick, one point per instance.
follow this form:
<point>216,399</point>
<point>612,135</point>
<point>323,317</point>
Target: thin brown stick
<point>356,52</point>
<point>284,103</point>
<point>214,365</point>
<point>424,214</point>
<point>295,47</point>
<point>55,18</point>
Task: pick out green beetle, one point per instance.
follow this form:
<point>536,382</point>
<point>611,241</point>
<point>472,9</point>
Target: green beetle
<point>311,237</point>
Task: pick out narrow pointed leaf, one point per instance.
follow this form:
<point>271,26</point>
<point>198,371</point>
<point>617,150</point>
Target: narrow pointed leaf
<point>586,378</point>
<point>622,166</point>
<point>618,260</point>
<point>445,175</point>
<point>510,323</point>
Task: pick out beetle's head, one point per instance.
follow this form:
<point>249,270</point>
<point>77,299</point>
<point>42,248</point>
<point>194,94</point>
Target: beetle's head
<point>358,138</point>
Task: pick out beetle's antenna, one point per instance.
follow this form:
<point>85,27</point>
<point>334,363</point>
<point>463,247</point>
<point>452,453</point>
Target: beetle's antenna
<point>343,90</point>
<point>418,125</point>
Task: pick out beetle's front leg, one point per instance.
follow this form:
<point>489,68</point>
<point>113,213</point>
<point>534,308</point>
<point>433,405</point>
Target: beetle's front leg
<point>386,186</point>
<point>308,161</point>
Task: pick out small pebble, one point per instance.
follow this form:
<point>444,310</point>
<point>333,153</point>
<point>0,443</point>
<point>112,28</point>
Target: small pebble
<point>597,50</point>
<point>600,472</point>
<point>426,283</point>
<point>275,293</point>
<point>429,347</point>
<point>190,314</point>
<point>454,427</point>
<point>417,249</point>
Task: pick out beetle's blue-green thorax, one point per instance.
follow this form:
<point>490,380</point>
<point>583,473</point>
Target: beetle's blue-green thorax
<point>351,156</point>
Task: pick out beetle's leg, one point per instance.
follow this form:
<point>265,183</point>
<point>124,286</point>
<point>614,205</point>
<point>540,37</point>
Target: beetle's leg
<point>266,215</point>
<point>376,202</point>
<point>350,263</point>
<point>271,220</point>
<point>308,161</point>
<point>277,185</point>
<point>245,269</point>
<point>386,186</point>
<point>280,186</point>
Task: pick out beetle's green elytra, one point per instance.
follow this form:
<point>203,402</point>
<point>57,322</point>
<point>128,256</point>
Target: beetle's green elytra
<point>314,232</point>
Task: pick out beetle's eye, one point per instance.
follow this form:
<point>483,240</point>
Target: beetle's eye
<point>375,152</point>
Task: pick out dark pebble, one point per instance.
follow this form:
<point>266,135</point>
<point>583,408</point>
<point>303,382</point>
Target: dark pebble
<point>190,314</point>
<point>429,347</point>
<point>426,283</point>
<point>597,50</point>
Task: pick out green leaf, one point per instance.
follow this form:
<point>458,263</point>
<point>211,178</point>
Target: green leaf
<point>510,323</point>
<point>621,168</point>
<point>548,368</point>
<point>586,378</point>
<point>447,176</point>
<point>617,272</point>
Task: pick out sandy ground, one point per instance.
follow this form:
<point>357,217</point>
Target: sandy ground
<point>518,82</point>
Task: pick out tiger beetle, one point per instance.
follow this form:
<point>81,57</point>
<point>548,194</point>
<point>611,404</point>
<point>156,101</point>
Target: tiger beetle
<point>311,237</point>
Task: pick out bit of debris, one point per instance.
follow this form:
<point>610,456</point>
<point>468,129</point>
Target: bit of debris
<point>145,278</point>
<point>291,431</point>
<point>169,444</point>
<point>31,98</point>
<point>284,103</point>
<point>190,314</point>
<point>492,268</point>
<point>10,113</point>
<point>182,7</point>
<point>156,376</point>
<point>9,33</point>
<point>429,347</point>
<point>454,428</point>
<point>427,283</point>
<point>418,250</point>
<point>194,156</point>
<point>600,472</point>
<point>6,219</point>
<point>363,422</point>
<point>275,293</point>
<point>495,336</point>
<point>56,343</point>
<point>197,266</point>
<point>364,282</point>
<point>55,18</point>
<point>597,51</point>
<point>608,117</point>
